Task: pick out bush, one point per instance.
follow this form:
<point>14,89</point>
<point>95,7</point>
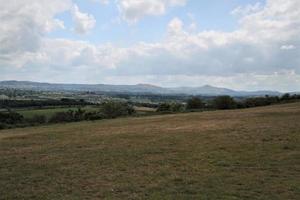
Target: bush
<point>260,101</point>
<point>41,103</point>
<point>94,116</point>
<point>10,118</point>
<point>37,119</point>
<point>69,116</point>
<point>177,107</point>
<point>224,102</point>
<point>62,117</point>
<point>195,103</point>
<point>78,115</point>
<point>3,126</point>
<point>113,109</point>
<point>285,97</point>
<point>170,107</point>
<point>164,107</point>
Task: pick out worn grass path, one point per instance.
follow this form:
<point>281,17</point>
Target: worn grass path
<point>238,154</point>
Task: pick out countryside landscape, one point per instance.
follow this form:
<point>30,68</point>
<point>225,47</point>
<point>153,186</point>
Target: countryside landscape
<point>149,99</point>
<point>148,146</point>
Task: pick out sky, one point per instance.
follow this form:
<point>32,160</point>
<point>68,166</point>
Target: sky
<point>238,44</point>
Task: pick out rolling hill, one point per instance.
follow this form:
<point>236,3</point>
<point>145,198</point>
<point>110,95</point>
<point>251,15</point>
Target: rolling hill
<point>206,90</point>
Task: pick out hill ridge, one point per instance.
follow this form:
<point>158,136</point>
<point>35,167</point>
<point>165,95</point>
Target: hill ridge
<point>205,90</point>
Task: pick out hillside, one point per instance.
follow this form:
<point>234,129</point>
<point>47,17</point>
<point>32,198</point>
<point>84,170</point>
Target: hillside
<point>205,90</point>
<point>236,154</point>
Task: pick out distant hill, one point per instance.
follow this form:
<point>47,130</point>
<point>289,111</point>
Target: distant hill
<point>205,90</point>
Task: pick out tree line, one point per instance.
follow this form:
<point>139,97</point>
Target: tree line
<point>107,110</point>
<point>42,103</point>
<point>225,102</point>
<point>114,109</point>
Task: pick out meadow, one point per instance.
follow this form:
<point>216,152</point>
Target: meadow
<point>236,154</point>
<point>50,111</point>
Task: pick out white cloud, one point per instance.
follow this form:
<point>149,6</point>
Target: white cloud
<point>104,2</point>
<point>83,22</point>
<point>23,23</point>
<point>285,81</point>
<point>287,47</point>
<point>134,10</point>
<point>248,9</point>
<point>253,56</point>
<point>175,26</point>
<point>253,48</point>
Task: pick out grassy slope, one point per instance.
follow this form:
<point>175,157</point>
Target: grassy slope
<point>240,154</point>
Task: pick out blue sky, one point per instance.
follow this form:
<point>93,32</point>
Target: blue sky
<point>239,44</point>
<point>209,15</point>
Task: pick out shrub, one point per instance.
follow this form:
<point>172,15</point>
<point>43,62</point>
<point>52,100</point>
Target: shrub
<point>195,103</point>
<point>69,116</point>
<point>177,107</point>
<point>78,115</point>
<point>11,118</point>
<point>260,101</point>
<point>94,116</point>
<point>170,107</point>
<point>62,117</point>
<point>286,97</point>
<point>224,102</point>
<point>37,119</point>
<point>164,107</point>
<point>113,109</point>
<point>3,126</point>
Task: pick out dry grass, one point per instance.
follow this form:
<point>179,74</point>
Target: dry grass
<point>238,154</point>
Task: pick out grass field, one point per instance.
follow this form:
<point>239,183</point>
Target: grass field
<point>238,154</point>
<point>48,112</point>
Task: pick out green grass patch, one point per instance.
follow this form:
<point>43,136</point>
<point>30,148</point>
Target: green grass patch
<point>48,112</point>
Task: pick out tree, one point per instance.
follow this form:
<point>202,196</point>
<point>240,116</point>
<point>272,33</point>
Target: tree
<point>177,107</point>
<point>62,117</point>
<point>195,103</point>
<point>170,107</point>
<point>11,118</point>
<point>286,97</point>
<point>79,114</point>
<point>113,109</point>
<point>93,116</point>
<point>224,102</point>
<point>164,107</point>
<point>37,119</point>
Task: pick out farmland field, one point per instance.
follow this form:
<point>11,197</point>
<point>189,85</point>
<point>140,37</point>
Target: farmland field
<point>48,112</point>
<point>237,154</point>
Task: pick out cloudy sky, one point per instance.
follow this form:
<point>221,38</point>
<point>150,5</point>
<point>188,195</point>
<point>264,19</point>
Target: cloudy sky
<point>239,44</point>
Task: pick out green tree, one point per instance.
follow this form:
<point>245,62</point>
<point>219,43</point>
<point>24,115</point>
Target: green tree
<point>164,107</point>
<point>113,109</point>
<point>224,102</point>
<point>195,103</point>
<point>286,97</point>
<point>177,107</point>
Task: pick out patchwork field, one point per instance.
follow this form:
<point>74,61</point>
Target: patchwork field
<point>236,154</point>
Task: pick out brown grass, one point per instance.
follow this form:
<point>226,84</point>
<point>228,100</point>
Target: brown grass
<point>237,154</point>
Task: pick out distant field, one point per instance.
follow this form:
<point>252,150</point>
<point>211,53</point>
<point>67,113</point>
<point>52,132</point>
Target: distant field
<point>144,109</point>
<point>238,154</point>
<point>48,112</point>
